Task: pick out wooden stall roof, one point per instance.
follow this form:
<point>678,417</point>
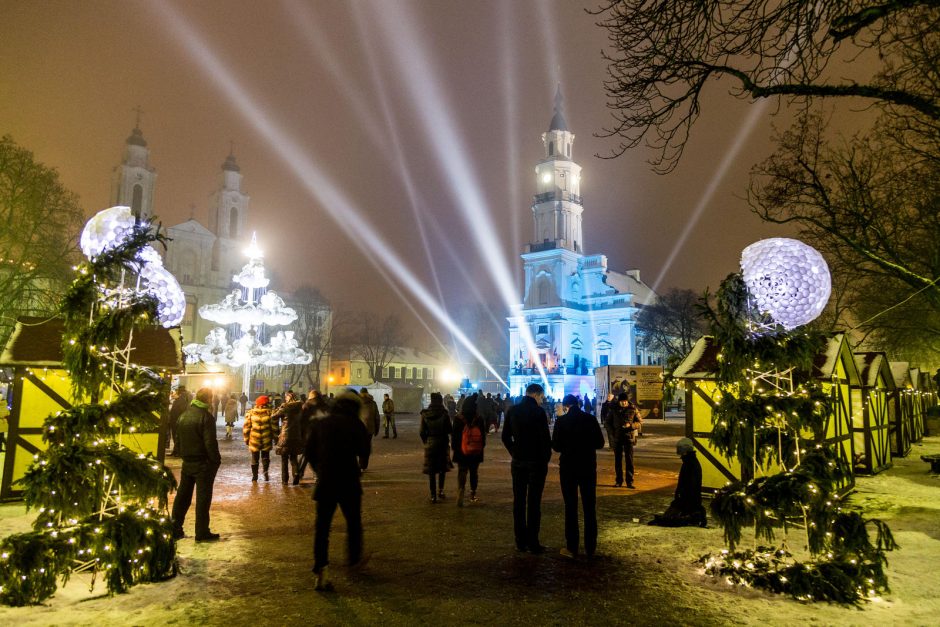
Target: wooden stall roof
<point>702,360</point>
<point>901,371</point>
<point>870,364</point>
<point>37,342</point>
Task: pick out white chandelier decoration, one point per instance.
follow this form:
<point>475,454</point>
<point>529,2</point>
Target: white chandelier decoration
<point>249,314</point>
<point>787,279</point>
<point>108,229</point>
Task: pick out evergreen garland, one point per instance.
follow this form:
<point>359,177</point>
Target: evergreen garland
<point>771,414</point>
<point>102,507</point>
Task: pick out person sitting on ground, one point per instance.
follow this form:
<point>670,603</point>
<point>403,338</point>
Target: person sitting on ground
<point>686,509</point>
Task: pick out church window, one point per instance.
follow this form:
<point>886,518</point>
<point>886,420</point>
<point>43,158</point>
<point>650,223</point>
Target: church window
<point>189,315</point>
<point>551,148</point>
<point>543,329</point>
<point>233,223</point>
<point>604,360</point>
<point>137,200</point>
<point>568,151</point>
<point>543,293</point>
<point>414,373</point>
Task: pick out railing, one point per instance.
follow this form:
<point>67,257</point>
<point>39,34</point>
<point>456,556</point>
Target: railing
<point>558,194</point>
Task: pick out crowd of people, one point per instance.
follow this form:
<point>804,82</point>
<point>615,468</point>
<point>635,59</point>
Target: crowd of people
<point>334,436</point>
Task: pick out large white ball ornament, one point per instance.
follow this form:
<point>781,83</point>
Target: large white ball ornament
<point>106,230</point>
<point>787,279</point>
<point>159,282</point>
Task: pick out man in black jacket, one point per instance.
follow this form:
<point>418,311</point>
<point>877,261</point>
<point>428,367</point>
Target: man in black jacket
<point>576,437</point>
<point>526,437</point>
<point>686,509</point>
<point>179,405</point>
<point>337,448</point>
<point>621,423</point>
<point>199,449</point>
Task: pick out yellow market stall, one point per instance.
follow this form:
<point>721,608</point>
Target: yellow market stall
<point>834,367</point>
<point>902,409</point>
<point>870,423</point>
<point>42,387</point>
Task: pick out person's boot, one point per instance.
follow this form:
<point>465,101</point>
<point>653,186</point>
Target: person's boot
<point>265,464</point>
<point>394,434</point>
<point>323,581</point>
<point>459,497</point>
<point>228,433</point>
<point>254,472</point>
<point>473,496</point>
<point>296,480</point>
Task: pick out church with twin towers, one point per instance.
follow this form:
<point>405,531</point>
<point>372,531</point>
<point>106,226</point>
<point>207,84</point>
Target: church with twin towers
<point>581,315</point>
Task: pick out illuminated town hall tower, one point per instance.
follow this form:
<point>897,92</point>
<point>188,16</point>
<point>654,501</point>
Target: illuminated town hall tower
<point>580,314</point>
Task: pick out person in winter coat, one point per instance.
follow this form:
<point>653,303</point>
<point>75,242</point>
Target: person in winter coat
<point>337,449</point>
<point>686,508</point>
<point>526,437</point>
<point>434,431</point>
<point>179,405</point>
<point>288,423</point>
<point>201,460</point>
<point>388,412</point>
<point>468,449</point>
<point>576,437</point>
<point>621,425</point>
<point>369,417</point>
<point>314,408</point>
<point>258,436</point>
<point>242,404</point>
<point>231,415</point>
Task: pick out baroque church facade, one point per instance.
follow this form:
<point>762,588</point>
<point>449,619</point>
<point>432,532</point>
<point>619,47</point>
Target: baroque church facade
<point>579,314</point>
<point>203,258</point>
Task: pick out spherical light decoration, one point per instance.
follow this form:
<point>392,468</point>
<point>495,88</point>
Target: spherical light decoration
<point>787,279</point>
<point>159,282</point>
<point>106,230</point>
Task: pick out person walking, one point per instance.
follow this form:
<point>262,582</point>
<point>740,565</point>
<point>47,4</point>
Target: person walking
<point>287,421</point>
<point>258,436</point>
<point>231,415</point>
<point>468,440</point>
<point>369,417</point>
<point>434,431</point>
<point>526,437</point>
<point>199,449</point>
<point>621,426</point>
<point>179,405</point>
<point>243,404</point>
<point>314,408</point>
<point>388,411</point>
<point>337,449</point>
<point>577,437</point>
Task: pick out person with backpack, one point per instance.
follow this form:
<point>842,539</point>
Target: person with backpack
<point>468,441</point>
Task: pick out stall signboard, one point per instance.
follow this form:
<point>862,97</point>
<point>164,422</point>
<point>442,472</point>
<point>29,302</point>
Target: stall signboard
<point>643,384</point>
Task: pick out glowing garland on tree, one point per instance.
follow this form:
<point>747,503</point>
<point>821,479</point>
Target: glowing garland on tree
<point>250,314</point>
<point>102,508</point>
<point>766,404</point>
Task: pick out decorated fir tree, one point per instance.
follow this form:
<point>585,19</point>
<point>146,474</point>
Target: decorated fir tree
<point>102,507</point>
<point>770,416</point>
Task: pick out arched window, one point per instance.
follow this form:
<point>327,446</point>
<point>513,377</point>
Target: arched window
<point>233,223</point>
<point>551,148</point>
<point>137,200</point>
<point>543,293</point>
<point>568,146</point>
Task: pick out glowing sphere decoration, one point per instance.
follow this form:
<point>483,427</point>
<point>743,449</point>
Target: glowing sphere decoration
<point>105,230</point>
<point>787,279</point>
<point>159,282</point>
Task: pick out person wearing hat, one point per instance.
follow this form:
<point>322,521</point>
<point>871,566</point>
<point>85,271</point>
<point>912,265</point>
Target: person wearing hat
<point>621,423</point>
<point>337,448</point>
<point>259,435</point>
<point>686,509</point>
<point>577,437</point>
<point>199,449</point>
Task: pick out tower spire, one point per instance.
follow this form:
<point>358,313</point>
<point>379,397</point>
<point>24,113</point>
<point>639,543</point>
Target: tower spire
<point>558,122</point>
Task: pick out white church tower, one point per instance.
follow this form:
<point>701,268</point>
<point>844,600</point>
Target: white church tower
<point>579,314</point>
<point>134,180</point>
<point>228,216</point>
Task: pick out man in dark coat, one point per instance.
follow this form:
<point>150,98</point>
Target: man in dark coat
<point>686,509</point>
<point>577,436</point>
<point>288,422</point>
<point>199,449</point>
<point>179,405</point>
<point>369,417</point>
<point>526,437</point>
<point>337,448</point>
<point>621,424</point>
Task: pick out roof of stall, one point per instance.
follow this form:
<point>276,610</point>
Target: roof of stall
<point>870,365</point>
<point>37,342</point>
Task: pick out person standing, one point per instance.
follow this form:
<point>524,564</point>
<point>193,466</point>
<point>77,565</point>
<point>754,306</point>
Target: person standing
<point>258,436</point>
<point>243,404</point>
<point>288,423</point>
<point>434,431</point>
<point>500,410</point>
<point>577,437</point>
<point>526,437</point>
<point>621,425</point>
<point>468,440</point>
<point>388,411</point>
<point>180,404</point>
<point>369,417</point>
<point>231,415</point>
<point>199,449</point>
<point>337,449</point>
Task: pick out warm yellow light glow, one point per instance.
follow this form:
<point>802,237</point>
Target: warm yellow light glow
<point>547,177</point>
<point>331,379</point>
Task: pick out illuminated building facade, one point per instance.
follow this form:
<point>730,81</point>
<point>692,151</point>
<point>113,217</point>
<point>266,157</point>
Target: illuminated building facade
<point>580,314</point>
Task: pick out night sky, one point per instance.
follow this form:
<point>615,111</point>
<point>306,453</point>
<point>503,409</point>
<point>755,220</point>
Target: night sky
<point>398,107</point>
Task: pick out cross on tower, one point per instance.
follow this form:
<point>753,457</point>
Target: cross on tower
<point>138,111</point>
